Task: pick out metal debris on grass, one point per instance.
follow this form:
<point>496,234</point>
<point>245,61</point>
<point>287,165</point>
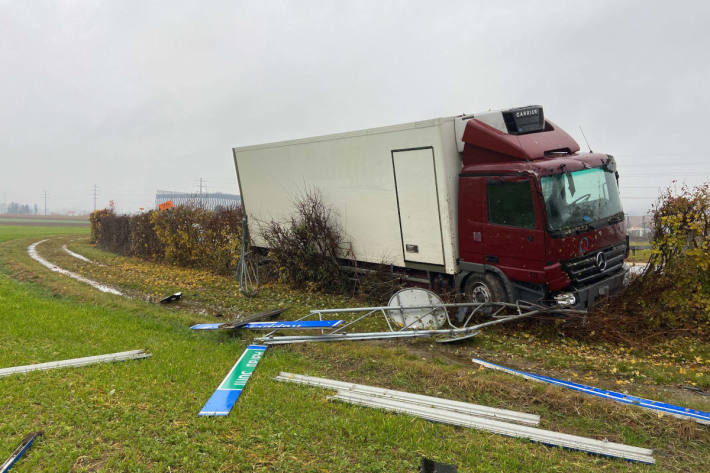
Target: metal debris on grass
<point>676,411</point>
<point>171,298</point>
<point>278,324</point>
<point>431,466</point>
<point>19,451</point>
<point>436,413</point>
<point>695,390</point>
<point>76,362</point>
<point>240,322</point>
<point>247,271</point>
<point>421,399</point>
<point>414,312</point>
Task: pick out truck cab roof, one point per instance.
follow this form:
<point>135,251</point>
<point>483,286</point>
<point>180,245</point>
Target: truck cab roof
<point>548,165</point>
<point>495,143</point>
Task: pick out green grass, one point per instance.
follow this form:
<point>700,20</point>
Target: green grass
<point>13,232</point>
<point>140,416</point>
<point>640,255</point>
<point>38,221</point>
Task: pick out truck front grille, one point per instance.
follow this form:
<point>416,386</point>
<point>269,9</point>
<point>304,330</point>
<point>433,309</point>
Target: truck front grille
<point>584,270</point>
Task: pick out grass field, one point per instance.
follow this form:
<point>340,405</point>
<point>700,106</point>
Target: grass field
<point>639,255</point>
<point>42,220</point>
<point>13,232</point>
<point>141,416</point>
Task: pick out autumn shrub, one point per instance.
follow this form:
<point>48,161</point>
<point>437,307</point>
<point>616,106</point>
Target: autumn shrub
<point>144,240</point>
<point>114,234</point>
<point>180,231</point>
<point>305,251</point>
<point>95,220</point>
<point>184,235</point>
<point>680,257</point>
<point>199,238</point>
<point>672,295</point>
<point>223,229</point>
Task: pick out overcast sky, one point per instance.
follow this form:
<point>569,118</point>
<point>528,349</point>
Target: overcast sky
<point>135,96</point>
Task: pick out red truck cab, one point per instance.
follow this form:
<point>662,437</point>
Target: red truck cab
<point>537,220</point>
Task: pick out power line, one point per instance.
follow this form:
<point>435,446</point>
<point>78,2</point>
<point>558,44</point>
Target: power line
<point>659,174</point>
<point>663,165</point>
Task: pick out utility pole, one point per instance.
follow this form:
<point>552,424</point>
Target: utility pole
<point>44,194</point>
<point>96,193</point>
<point>202,201</point>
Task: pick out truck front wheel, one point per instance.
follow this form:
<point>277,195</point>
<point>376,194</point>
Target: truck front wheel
<point>484,288</point>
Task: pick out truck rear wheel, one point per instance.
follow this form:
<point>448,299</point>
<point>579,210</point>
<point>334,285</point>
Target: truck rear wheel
<point>484,288</point>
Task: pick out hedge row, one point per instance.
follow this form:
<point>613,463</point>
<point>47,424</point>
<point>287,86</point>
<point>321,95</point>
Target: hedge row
<point>185,236</point>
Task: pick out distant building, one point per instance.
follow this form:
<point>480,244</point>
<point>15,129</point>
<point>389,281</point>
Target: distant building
<point>206,200</point>
<point>638,226</point>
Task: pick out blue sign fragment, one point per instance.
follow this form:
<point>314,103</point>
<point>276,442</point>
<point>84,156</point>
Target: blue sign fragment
<point>679,411</point>
<point>206,326</point>
<point>226,395</point>
<point>303,324</point>
<point>293,324</point>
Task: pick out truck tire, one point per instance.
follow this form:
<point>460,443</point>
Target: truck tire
<point>484,288</point>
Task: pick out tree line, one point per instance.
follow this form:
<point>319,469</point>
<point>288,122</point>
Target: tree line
<point>19,209</point>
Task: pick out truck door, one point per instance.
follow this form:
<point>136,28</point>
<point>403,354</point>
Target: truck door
<point>418,204</point>
<point>513,238</point>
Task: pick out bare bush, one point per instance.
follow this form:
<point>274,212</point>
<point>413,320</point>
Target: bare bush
<point>377,283</point>
<point>305,251</point>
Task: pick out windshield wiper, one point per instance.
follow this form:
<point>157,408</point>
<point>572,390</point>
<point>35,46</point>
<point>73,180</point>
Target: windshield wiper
<point>584,227</point>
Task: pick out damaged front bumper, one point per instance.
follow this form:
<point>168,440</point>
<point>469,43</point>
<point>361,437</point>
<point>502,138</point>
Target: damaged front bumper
<point>586,297</point>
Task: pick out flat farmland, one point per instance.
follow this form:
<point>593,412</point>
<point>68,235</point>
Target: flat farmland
<point>44,220</point>
<point>140,416</point>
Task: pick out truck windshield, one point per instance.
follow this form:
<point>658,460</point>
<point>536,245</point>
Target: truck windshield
<point>580,198</point>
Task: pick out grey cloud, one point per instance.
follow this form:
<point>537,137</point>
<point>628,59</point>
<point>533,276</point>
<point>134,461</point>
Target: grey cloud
<point>136,96</point>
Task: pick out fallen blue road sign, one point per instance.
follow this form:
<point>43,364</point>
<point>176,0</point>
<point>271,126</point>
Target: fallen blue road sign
<point>293,324</point>
<point>206,326</point>
<point>19,451</point>
<point>303,324</point>
<point>223,399</point>
<point>677,411</point>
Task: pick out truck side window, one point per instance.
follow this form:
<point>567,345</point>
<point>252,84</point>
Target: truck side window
<point>510,203</point>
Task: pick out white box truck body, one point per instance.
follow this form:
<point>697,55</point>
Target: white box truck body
<point>485,204</point>
<point>393,189</point>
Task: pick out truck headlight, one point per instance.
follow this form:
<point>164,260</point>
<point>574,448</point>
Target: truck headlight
<point>566,299</point>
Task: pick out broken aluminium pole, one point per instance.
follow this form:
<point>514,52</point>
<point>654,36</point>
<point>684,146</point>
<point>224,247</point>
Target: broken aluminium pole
<point>547,437</point>
<point>76,362</point>
<point>414,312</point>
<point>421,399</point>
<point>467,415</point>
